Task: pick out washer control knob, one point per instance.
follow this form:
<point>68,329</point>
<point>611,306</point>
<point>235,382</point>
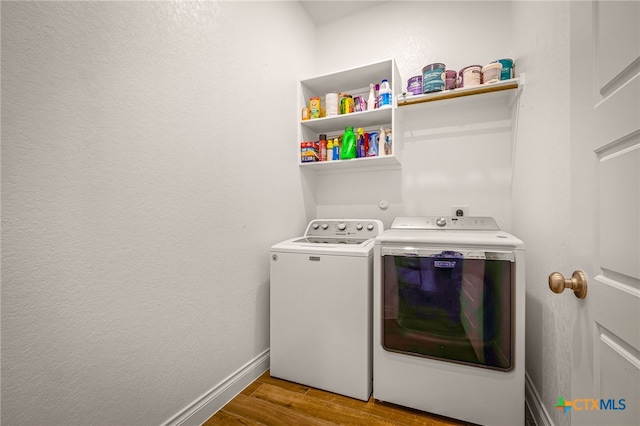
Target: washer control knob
<point>441,221</point>
<point>315,226</point>
<point>359,227</point>
<point>342,226</point>
<point>325,226</point>
<point>370,227</point>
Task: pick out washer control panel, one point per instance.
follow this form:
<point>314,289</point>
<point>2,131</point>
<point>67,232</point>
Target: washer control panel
<point>467,223</point>
<point>358,228</point>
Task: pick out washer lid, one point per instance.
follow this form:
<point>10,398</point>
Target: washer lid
<point>327,246</point>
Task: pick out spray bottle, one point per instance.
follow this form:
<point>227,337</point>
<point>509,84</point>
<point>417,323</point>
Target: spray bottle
<point>371,102</point>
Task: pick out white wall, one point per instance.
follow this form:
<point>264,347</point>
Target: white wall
<point>533,203</point>
<point>135,151</point>
<point>439,169</point>
<point>542,196</point>
<point>146,170</point>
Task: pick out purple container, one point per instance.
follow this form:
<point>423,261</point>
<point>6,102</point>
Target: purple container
<point>450,79</point>
<point>414,85</point>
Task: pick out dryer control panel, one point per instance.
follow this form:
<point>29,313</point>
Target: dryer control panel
<point>466,223</point>
<point>357,228</point>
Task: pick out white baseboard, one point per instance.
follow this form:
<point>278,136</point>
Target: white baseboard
<point>208,404</point>
<point>536,406</point>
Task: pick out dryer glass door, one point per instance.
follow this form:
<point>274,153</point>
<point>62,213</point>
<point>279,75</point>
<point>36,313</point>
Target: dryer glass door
<point>452,305</point>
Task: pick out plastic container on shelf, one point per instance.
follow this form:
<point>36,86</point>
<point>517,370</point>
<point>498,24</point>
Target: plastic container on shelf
<point>331,102</point>
<point>386,94</point>
<point>470,76</point>
<point>491,73</point>
<point>371,102</point>
<point>507,68</point>
<point>348,148</point>
<point>433,78</point>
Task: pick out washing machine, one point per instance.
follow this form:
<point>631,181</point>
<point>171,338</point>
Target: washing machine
<point>448,319</point>
<point>321,299</point>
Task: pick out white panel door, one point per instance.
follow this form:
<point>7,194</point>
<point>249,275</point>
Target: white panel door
<point>605,149</point>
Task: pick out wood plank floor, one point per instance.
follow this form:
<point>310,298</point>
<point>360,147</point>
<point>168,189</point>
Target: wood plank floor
<point>271,401</point>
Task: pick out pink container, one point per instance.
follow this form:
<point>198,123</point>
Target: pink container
<point>470,76</point>
<point>450,79</point>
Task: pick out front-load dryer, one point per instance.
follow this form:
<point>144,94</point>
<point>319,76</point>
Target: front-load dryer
<point>321,298</point>
<point>448,319</point>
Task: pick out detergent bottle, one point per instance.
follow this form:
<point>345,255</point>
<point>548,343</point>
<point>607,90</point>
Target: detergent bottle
<point>360,151</point>
<point>348,148</point>
<point>385,94</point>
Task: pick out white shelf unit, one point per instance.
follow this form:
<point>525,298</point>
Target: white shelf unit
<point>462,111</point>
<point>355,82</point>
<point>506,89</point>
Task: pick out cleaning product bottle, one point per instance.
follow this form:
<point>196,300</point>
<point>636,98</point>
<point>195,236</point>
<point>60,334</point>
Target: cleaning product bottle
<point>330,150</point>
<point>385,94</point>
<point>374,147</point>
<point>360,152</point>
<point>388,141</point>
<point>322,147</point>
<point>371,102</point>
<point>382,148</point>
<point>348,148</point>
<point>336,149</point>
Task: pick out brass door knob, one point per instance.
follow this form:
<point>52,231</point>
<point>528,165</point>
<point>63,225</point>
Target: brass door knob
<point>577,283</point>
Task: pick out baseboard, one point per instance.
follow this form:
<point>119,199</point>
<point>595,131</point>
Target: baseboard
<point>536,406</point>
<point>208,404</point>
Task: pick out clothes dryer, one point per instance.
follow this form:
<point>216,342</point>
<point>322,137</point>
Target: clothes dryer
<point>321,298</point>
<point>448,318</point>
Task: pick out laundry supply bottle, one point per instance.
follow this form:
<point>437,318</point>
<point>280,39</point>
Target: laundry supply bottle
<point>336,149</point>
<point>322,147</point>
<point>385,94</point>
<point>360,138</point>
<point>373,145</point>
<point>371,102</point>
<point>330,150</point>
<point>382,148</point>
<point>348,148</point>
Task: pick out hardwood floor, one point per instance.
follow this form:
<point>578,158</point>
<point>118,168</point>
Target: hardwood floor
<point>271,401</point>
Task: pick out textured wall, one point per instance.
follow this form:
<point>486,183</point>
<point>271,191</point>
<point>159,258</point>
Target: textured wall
<point>534,202</point>
<point>137,141</point>
<point>542,196</point>
<point>444,163</point>
<point>142,143</point>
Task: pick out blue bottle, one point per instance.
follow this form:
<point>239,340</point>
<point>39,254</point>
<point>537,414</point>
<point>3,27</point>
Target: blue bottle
<point>373,145</point>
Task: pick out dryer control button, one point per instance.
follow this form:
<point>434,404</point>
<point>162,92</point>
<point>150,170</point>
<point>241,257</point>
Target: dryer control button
<point>325,226</point>
<point>441,221</point>
<point>316,226</point>
<point>342,226</point>
<point>370,227</point>
<point>359,226</point>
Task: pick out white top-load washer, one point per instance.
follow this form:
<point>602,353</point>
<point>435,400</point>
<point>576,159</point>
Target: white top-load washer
<point>321,294</point>
<point>448,318</point>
